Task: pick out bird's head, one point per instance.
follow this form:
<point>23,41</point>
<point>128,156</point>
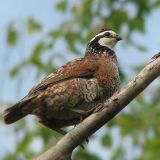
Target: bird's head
<point>106,38</point>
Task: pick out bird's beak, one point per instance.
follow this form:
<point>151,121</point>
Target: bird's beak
<point>118,38</point>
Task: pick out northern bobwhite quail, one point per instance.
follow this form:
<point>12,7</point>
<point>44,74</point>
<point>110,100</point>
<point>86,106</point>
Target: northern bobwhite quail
<point>63,97</point>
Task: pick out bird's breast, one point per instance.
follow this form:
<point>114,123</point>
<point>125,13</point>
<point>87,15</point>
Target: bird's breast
<point>108,78</point>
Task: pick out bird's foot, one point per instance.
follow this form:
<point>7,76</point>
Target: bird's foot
<point>117,92</point>
<point>98,108</point>
<point>82,145</point>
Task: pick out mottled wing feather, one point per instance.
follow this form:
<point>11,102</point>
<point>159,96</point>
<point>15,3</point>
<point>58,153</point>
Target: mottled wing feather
<point>81,68</point>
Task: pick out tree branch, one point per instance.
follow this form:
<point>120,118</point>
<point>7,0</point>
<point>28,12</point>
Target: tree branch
<point>63,149</point>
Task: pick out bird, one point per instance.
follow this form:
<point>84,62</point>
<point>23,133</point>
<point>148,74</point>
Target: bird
<point>66,96</point>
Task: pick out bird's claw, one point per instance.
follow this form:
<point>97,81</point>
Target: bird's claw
<point>98,108</point>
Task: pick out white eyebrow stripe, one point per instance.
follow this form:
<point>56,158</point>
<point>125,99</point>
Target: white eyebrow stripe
<point>102,33</point>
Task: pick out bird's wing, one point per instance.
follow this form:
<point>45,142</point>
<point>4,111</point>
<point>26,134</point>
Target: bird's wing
<point>81,68</point>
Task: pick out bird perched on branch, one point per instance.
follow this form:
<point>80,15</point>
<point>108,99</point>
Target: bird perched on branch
<point>65,96</point>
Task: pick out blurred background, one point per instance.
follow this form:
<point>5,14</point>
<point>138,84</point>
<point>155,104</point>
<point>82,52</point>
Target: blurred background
<point>37,36</point>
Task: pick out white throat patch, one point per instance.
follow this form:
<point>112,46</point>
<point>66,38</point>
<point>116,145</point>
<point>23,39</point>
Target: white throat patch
<point>108,42</point>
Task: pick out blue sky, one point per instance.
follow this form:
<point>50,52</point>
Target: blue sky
<point>43,11</point>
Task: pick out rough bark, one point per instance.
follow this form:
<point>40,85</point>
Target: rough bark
<point>63,149</point>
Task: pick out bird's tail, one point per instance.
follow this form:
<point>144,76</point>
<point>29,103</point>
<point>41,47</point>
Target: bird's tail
<point>13,114</point>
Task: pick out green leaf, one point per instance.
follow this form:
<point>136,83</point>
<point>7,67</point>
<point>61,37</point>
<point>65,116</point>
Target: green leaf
<point>15,70</point>
<point>85,155</point>
<point>155,4</point>
<point>106,140</point>
<point>12,35</point>
<point>33,26</point>
<point>118,154</point>
<point>61,6</point>
<point>55,34</point>
<point>37,51</point>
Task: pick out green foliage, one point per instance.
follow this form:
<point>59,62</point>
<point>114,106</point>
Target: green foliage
<point>16,70</point>
<point>12,35</point>
<point>84,155</point>
<point>62,6</point>
<point>106,140</point>
<point>37,52</point>
<point>141,121</point>
<point>119,154</point>
<point>33,26</point>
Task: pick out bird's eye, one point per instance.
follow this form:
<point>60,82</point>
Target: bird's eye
<point>107,34</point>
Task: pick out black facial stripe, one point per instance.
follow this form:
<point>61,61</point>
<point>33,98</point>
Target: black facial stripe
<point>107,34</point>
